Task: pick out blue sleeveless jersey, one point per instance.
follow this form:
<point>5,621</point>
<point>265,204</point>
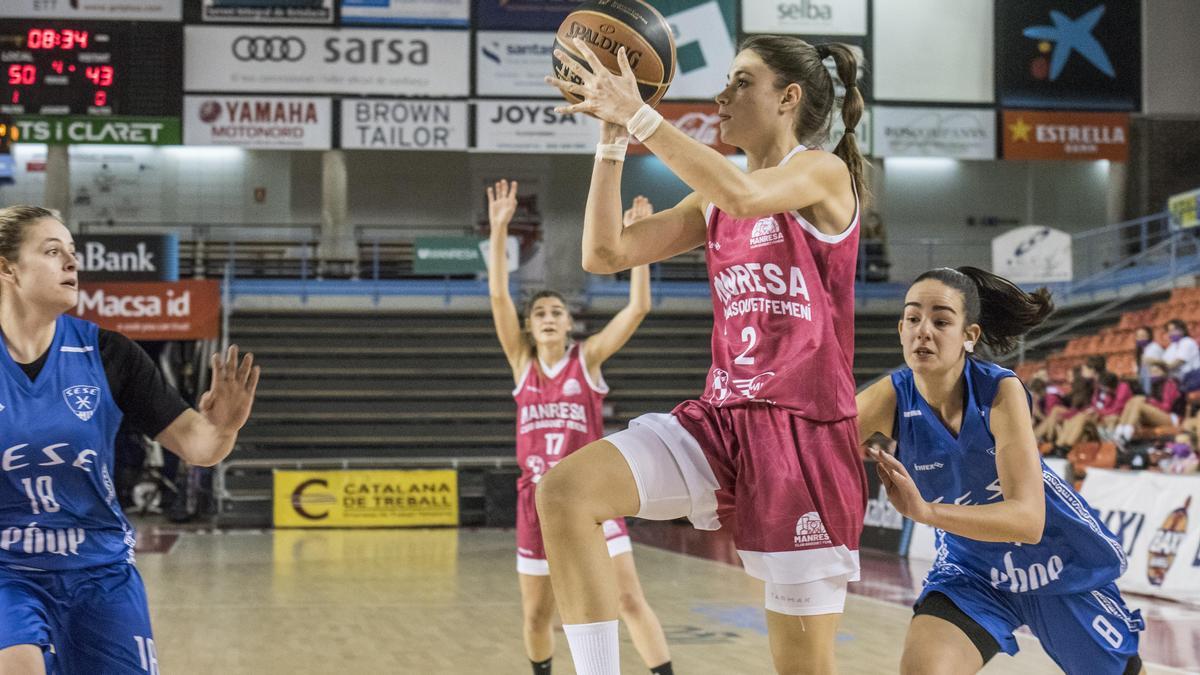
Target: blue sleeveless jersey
<point>58,505</point>
<point>1077,552</point>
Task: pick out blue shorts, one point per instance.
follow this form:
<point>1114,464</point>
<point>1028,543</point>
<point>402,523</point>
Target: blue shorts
<point>85,621</point>
<point>1091,632</point>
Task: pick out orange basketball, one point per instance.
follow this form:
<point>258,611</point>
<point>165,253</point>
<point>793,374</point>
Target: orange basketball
<point>606,26</point>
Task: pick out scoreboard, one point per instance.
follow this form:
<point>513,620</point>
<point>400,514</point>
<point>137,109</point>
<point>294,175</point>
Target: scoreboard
<point>91,68</point>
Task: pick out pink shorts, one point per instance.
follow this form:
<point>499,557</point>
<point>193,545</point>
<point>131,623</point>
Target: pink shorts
<point>793,490</point>
<point>531,552</point>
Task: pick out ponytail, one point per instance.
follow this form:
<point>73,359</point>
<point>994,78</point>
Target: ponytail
<point>1003,311</point>
<point>852,112</point>
<point>794,60</point>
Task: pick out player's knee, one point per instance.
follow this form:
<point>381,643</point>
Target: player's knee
<point>538,618</point>
<point>631,603</point>
<point>561,494</point>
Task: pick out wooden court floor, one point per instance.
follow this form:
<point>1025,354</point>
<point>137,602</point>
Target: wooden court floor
<point>446,601</point>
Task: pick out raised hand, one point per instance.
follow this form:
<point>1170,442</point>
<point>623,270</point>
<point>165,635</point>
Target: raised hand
<point>640,209</point>
<point>502,202</point>
<point>226,404</point>
<point>610,97</point>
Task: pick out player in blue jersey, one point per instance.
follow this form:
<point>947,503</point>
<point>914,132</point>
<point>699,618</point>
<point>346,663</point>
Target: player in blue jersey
<point>71,599</point>
<point>1015,543</point>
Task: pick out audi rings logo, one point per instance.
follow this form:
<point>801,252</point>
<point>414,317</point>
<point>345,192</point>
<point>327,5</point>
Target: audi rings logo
<point>268,48</point>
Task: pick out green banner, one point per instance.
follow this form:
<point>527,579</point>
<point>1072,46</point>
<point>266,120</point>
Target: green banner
<point>79,130</point>
<point>448,255</point>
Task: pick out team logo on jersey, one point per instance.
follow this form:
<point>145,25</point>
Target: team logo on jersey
<point>811,531</point>
<point>720,386</point>
<point>766,232</point>
<point>536,466</point>
<point>571,387</point>
<point>752,387</point>
<point>82,399</point>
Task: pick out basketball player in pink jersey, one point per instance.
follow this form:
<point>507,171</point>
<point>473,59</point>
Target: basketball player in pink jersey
<point>771,448</point>
<point>560,397</point>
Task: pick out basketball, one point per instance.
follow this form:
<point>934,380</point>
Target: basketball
<point>608,25</point>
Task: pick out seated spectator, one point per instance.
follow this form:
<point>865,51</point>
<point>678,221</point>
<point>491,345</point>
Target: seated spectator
<point>1077,416</point>
<point>1181,358</point>
<point>1111,395</point>
<point>1179,456</point>
<point>1148,352</point>
<point>1161,406</point>
<point>1048,403</point>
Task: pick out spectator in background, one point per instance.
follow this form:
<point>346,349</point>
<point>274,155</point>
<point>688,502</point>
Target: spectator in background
<point>1162,405</point>
<point>1148,352</point>
<point>1181,358</point>
<point>1179,456</point>
<point>1110,395</point>
<point>1051,428</point>
<point>1046,398</point>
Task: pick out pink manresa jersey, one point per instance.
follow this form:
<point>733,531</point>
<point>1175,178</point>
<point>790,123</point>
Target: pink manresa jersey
<point>559,410</point>
<point>783,314</point>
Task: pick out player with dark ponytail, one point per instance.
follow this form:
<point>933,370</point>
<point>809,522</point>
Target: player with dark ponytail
<point>1015,543</point>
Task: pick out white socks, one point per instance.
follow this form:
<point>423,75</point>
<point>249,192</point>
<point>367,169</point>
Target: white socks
<point>594,647</point>
<point>1124,432</point>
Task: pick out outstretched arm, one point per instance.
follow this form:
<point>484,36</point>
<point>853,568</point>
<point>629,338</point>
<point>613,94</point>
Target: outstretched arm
<point>502,204</point>
<point>599,347</point>
<point>876,410</point>
<point>207,436</point>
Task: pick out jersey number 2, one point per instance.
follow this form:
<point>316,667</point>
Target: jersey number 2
<point>748,335</point>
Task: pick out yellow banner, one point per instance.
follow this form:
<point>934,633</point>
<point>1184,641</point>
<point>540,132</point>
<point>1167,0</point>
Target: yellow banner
<point>366,498</point>
<point>1185,206</point>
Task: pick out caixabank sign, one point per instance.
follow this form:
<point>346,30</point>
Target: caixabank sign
<point>127,257</point>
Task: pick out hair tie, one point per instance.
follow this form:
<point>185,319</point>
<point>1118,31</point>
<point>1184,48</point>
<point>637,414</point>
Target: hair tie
<point>823,51</point>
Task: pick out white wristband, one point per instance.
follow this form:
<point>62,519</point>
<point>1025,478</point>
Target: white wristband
<point>644,122</point>
<point>614,151</point>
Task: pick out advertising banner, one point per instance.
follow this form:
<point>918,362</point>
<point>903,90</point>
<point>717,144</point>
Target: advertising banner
<point>394,124</point>
<point>396,62</point>
<point>522,14</point>
<point>407,12</point>
<point>149,310</point>
<point>912,59</point>
<point>805,17</point>
<point>532,127</point>
<point>957,133</point>
<point>883,524</point>
<point>1033,254</point>
<point>110,10</point>
<point>1031,134</point>
<point>513,63</point>
<point>368,498</point>
<point>127,257</point>
<point>704,45</point>
<point>268,11</point>
<point>76,130</point>
<point>1185,208</point>
<point>459,255</point>
<point>1156,517</point>
<point>1074,54</point>
<point>261,123</point>
<point>698,120</point>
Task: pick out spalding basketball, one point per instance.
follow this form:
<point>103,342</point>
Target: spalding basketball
<point>608,25</point>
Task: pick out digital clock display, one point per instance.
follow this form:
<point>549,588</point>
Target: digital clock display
<point>91,68</point>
